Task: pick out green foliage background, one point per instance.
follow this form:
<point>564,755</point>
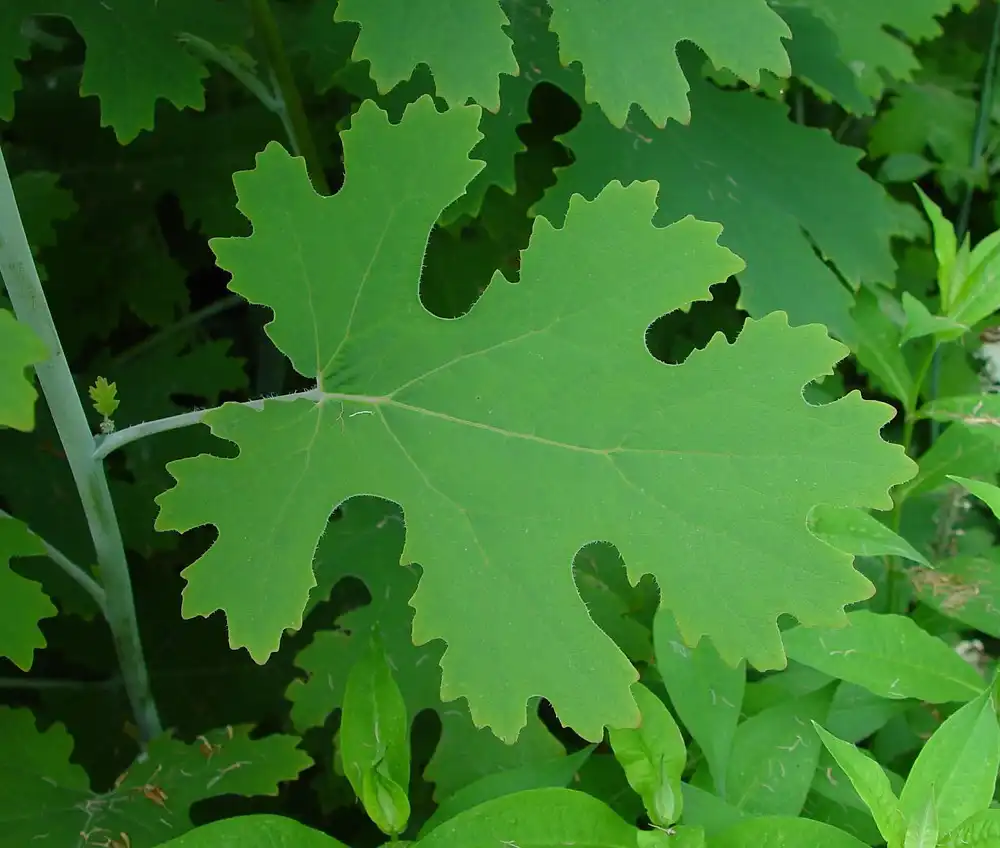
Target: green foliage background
<point>583,335</point>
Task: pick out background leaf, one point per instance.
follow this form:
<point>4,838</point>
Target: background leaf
<point>706,692</point>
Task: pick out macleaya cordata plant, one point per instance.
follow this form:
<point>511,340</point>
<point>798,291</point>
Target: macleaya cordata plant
<point>472,461</point>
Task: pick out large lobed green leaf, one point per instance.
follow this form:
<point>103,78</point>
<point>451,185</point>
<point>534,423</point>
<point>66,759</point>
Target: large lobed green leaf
<point>513,436</point>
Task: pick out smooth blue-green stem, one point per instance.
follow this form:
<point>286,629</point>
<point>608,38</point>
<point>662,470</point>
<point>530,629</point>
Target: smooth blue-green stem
<point>17,267</point>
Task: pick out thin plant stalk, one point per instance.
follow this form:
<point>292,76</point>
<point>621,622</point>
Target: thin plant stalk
<point>24,288</point>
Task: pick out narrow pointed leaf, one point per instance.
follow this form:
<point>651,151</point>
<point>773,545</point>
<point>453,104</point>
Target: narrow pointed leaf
<point>887,654</point>
<point>706,692</point>
<point>958,765</point>
<point>922,830</point>
<point>870,782</point>
<point>857,532</point>
<point>375,740</point>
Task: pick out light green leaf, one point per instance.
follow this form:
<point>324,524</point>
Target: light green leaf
<point>631,57</point>
<point>541,818</point>
<point>775,755</point>
<point>960,449</point>
<point>870,782</point>
<point>375,740</point>
<point>986,492</point>
<point>23,603</point>
<point>981,830</point>
<point>957,767</point>
<point>779,189</point>
<point>20,348</point>
<point>854,531</point>
<point>922,829</point>
<point>887,654</point>
<point>976,287</point>
<point>406,403</point>
<point>878,347</point>
<point>257,831</point>
<point>782,832</point>
<point>920,322</point>
<point>558,772</point>
<point>945,249</point>
<point>463,44</point>
<point>44,797</point>
<point>981,410</point>
<point>653,757</point>
<point>706,692</point>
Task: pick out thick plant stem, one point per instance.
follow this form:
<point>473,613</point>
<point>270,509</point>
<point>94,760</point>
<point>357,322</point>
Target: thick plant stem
<point>292,112</point>
<point>17,267</point>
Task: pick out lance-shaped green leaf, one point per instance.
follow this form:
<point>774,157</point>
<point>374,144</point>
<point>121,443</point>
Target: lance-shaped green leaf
<point>981,830</point>
<point>871,783</point>
<point>887,654</point>
<point>653,757</point>
<point>878,347</point>
<point>945,248</point>
<point>541,818</point>
<point>986,492</point>
<point>957,767</point>
<point>780,831</point>
<point>257,831</point>
<point>23,603</point>
<point>464,45</point>
<point>407,404</point>
<point>976,287</point>
<point>375,741</point>
<point>631,56</point>
<point>920,321</point>
<point>558,772</point>
<point>976,411</point>
<point>706,691</point>
<point>857,532</point>
<point>775,755</point>
<point>20,348</point>
<point>922,829</point>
